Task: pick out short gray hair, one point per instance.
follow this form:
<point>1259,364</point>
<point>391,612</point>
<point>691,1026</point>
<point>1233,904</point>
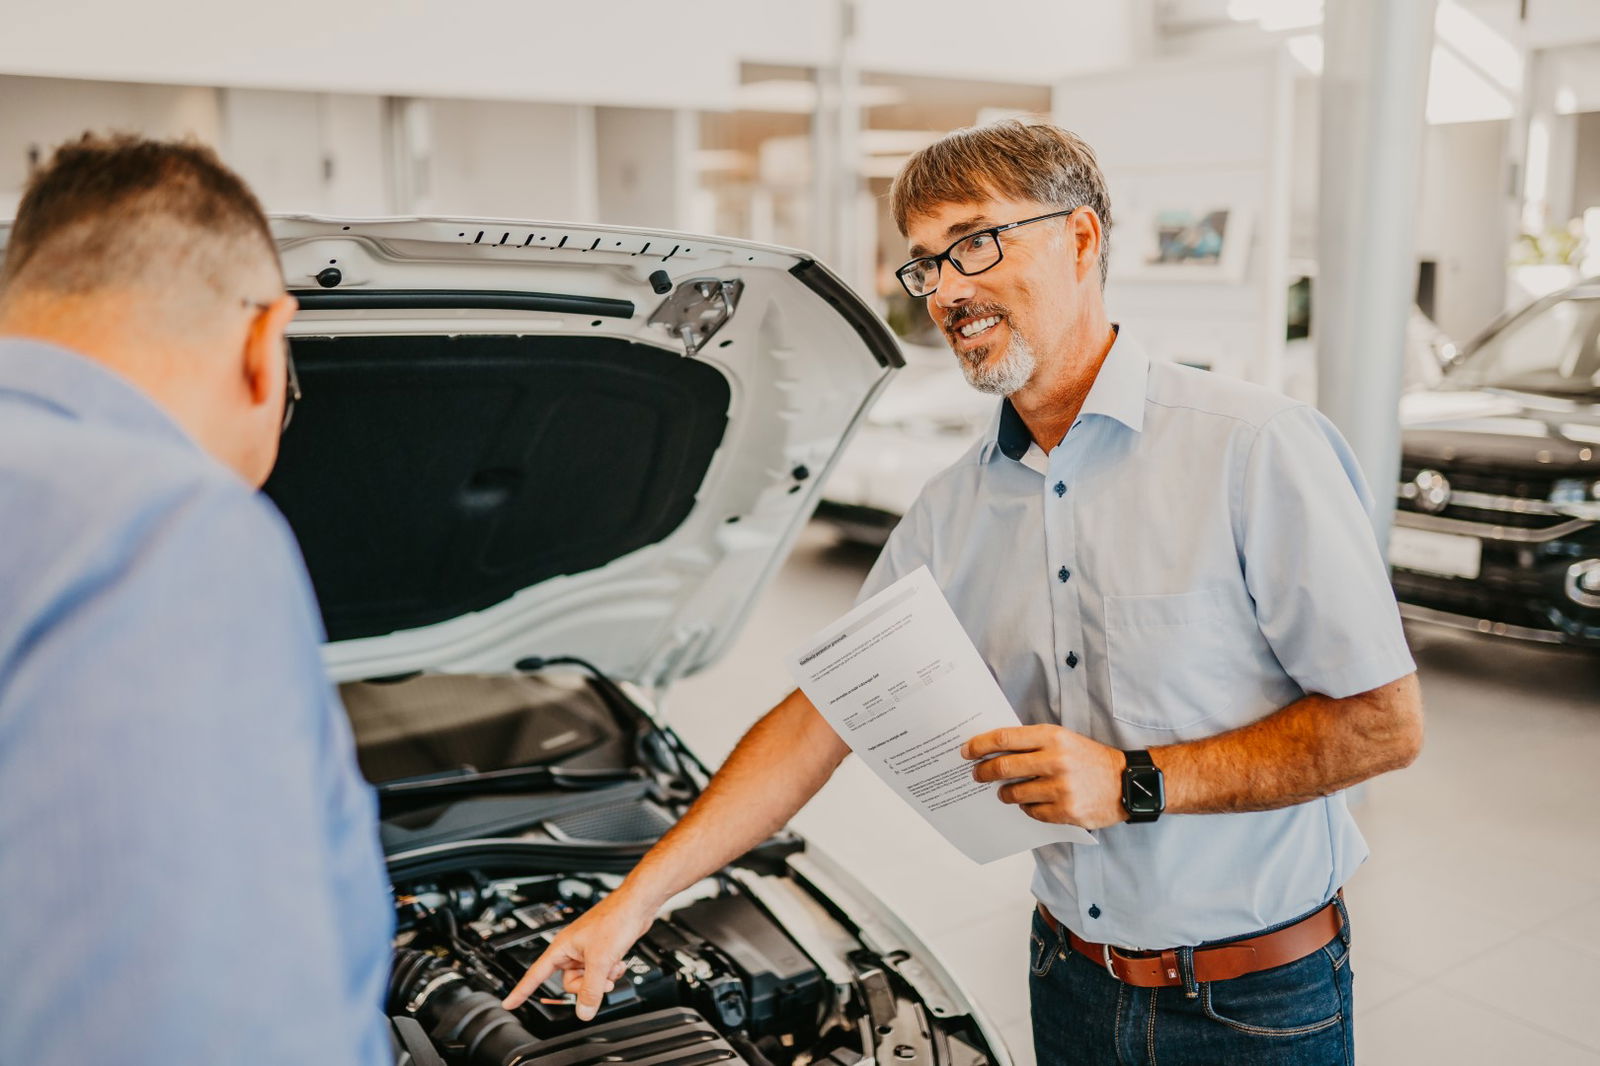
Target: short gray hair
<point>1015,158</point>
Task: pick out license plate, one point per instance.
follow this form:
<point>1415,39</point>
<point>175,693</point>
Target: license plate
<point>1445,554</point>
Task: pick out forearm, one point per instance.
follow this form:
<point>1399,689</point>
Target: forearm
<point>780,763</point>
<point>1313,747</point>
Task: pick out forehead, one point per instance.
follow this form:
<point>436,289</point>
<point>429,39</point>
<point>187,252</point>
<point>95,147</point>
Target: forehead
<point>931,231</point>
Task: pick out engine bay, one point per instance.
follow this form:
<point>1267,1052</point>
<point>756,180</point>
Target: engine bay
<point>511,806</point>
<point>715,979</point>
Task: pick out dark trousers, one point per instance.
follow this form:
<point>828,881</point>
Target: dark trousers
<point>1299,1014</point>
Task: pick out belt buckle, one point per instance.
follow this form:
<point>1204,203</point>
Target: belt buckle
<point>1105,954</point>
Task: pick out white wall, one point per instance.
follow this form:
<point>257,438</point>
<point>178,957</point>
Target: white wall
<point>510,160</point>
<point>600,51</point>
<point>274,141</point>
<point>613,52</point>
<point>1305,152</point>
<point>1196,135</point>
<point>645,162</point>
<point>1461,223</point>
<point>311,153</point>
<point>355,140</point>
<point>299,151</point>
<point>1002,40</point>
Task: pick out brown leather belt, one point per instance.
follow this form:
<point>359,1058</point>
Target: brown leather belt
<point>1159,969</point>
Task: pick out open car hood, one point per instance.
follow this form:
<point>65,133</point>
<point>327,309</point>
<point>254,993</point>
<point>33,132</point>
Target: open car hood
<point>527,439</point>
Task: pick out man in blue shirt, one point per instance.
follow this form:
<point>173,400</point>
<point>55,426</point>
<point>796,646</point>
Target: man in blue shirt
<point>188,856</point>
<point>1175,581</point>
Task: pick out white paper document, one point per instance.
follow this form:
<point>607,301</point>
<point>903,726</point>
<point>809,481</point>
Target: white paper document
<point>901,683</point>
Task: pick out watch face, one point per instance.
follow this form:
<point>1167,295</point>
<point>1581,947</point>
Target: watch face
<point>1143,791</point>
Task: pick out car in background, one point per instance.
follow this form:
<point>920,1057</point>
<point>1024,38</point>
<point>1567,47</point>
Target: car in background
<point>1498,506</point>
<point>1428,349</point>
<point>925,420</point>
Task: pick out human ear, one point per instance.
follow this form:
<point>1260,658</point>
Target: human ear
<point>1086,238</point>
<point>264,368</point>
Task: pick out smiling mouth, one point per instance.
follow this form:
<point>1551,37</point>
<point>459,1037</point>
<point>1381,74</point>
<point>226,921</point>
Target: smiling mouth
<point>978,326</point>
<point>969,334</point>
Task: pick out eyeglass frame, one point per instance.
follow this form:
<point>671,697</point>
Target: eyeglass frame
<point>944,256</point>
<point>291,390</point>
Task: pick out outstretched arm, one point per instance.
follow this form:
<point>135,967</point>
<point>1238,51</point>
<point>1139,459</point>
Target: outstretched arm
<point>781,763</point>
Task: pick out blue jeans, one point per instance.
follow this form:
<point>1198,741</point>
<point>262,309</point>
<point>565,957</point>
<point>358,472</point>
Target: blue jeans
<point>1298,1014</point>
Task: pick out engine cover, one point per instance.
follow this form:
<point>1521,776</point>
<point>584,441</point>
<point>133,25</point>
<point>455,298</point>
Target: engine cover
<point>676,1036</point>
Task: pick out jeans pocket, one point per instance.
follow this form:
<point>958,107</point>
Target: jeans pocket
<point>1291,1000</point>
<point>1044,946</point>
<point>1338,952</point>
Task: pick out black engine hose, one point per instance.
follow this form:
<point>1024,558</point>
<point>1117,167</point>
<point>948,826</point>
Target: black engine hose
<point>457,1017</point>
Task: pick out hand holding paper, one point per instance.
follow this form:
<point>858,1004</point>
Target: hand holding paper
<point>901,683</point>
<point>1058,775</point>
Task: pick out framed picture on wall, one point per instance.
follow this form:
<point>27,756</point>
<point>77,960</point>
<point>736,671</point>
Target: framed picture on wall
<point>1184,244</point>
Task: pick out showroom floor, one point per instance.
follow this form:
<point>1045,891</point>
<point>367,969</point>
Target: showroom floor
<point>1477,921</point>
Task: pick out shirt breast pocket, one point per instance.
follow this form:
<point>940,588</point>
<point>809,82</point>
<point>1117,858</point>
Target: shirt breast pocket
<point>1177,661</point>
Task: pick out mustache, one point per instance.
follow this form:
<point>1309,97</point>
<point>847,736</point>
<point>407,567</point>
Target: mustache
<point>957,314</point>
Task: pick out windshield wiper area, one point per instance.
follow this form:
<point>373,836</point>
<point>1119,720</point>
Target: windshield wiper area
<point>443,810</point>
<point>456,784</point>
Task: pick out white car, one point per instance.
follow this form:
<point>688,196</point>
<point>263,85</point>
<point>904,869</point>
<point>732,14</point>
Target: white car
<point>925,420</point>
<point>540,472</point>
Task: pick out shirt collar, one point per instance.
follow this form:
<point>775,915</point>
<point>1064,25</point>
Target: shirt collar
<point>1118,393</point>
<point>78,386</point>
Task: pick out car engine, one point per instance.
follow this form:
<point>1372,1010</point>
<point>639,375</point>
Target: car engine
<point>715,979</point>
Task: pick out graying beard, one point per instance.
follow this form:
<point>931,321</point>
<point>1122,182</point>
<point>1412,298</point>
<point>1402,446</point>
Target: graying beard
<point>1013,371</point>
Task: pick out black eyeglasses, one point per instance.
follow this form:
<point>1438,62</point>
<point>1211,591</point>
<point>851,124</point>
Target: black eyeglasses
<point>972,254</point>
<point>291,390</point>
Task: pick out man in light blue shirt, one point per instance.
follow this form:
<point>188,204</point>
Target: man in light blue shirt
<point>1173,577</point>
<point>188,855</point>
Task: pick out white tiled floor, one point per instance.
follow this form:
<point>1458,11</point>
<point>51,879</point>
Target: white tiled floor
<point>1477,920</point>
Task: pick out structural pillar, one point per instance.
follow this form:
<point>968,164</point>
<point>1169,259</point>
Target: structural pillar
<point>1374,95</point>
<point>836,153</point>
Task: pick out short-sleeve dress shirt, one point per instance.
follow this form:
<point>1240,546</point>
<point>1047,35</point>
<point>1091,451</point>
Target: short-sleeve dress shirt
<point>1195,554</point>
<point>189,859</point>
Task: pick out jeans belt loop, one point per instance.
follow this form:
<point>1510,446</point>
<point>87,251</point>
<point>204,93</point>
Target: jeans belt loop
<point>1105,953</point>
<point>1344,918</point>
<point>1191,987</point>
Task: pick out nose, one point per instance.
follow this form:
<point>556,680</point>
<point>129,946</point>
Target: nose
<point>954,288</point>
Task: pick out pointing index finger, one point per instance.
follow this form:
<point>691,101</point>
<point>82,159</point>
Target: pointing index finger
<point>537,974</point>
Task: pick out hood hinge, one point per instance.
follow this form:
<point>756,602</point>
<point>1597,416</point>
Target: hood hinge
<point>698,308</point>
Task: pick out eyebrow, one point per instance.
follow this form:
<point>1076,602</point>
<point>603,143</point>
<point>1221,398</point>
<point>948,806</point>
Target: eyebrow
<point>953,231</point>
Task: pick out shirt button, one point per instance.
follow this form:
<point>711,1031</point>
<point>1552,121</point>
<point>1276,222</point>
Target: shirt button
<point>1063,573</point>
<point>1094,910</point>
<point>1072,660</point>
<point>1061,488</point>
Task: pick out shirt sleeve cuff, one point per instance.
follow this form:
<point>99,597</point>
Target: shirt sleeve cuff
<point>1361,675</point>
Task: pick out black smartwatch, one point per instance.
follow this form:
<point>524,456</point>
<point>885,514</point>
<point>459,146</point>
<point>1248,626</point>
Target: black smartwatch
<point>1144,793</point>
